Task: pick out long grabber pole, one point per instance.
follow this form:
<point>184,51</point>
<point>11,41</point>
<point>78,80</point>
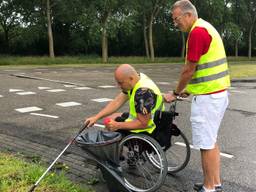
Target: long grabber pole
<point>70,142</point>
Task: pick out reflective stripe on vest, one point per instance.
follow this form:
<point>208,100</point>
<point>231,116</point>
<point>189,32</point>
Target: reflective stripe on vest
<point>212,70</point>
<point>209,78</point>
<point>145,82</point>
<point>211,64</point>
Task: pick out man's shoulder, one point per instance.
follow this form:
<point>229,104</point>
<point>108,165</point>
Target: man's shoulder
<point>198,31</point>
<point>144,91</point>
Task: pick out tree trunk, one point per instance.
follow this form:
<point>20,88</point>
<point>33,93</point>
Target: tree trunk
<point>6,41</point>
<point>104,38</point>
<point>150,39</point>
<point>145,35</point>
<point>104,45</point>
<point>250,37</point>
<point>236,48</point>
<point>183,50</point>
<point>49,24</point>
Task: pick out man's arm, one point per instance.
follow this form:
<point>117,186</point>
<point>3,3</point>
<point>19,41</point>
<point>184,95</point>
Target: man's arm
<point>140,122</point>
<point>145,100</point>
<point>110,108</point>
<point>186,75</point>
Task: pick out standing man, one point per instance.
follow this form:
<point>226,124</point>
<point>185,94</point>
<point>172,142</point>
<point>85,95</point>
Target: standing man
<point>205,75</point>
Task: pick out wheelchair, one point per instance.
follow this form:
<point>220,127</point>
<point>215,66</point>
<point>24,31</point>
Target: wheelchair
<point>145,160</point>
<point>138,162</point>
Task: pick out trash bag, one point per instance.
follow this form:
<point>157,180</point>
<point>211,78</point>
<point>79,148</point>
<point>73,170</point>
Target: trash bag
<point>103,145</point>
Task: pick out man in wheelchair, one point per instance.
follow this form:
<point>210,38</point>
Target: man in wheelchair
<point>146,108</point>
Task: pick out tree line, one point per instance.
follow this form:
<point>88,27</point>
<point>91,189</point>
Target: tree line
<point>117,27</point>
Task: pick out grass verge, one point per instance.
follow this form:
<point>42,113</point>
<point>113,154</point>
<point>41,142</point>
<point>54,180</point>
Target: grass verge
<point>17,175</point>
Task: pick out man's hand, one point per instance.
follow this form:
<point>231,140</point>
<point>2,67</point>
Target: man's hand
<point>169,97</point>
<point>184,94</point>
<point>91,121</point>
<point>111,125</point>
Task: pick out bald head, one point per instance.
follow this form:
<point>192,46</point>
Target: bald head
<point>126,76</point>
<point>125,70</point>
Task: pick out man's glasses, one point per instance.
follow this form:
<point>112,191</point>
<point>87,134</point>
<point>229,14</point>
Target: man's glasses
<point>177,19</point>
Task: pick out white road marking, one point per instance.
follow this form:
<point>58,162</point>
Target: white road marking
<point>236,91</point>
<point>28,109</point>
<point>227,155</point>
<point>68,104</point>
<point>163,83</point>
<point>39,69</point>
<point>10,70</point>
<point>69,86</point>
<point>26,93</point>
<point>106,86</point>
<point>55,90</point>
<point>1,96</point>
<point>44,88</point>
<point>15,90</point>
<point>192,147</point>
<point>100,100</point>
<point>45,115</point>
<point>83,88</point>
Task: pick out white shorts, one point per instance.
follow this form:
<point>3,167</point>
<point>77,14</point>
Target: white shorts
<point>207,111</point>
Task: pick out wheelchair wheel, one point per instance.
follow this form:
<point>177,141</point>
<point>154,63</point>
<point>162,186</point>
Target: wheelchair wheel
<point>177,155</point>
<point>138,172</point>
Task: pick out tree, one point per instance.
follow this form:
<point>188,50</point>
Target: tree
<point>251,19</point>
<point>10,19</point>
<point>233,34</point>
<point>107,13</point>
<point>149,10</point>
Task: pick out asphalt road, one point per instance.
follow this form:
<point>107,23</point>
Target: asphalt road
<point>48,89</point>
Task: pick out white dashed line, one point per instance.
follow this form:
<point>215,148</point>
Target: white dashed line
<point>44,115</point>
<point>236,91</point>
<point>15,90</point>
<point>69,86</point>
<point>100,100</point>
<point>41,69</point>
<point>28,109</point>
<point>26,93</point>
<point>227,155</point>
<point>68,104</point>
<point>192,147</point>
<point>83,88</point>
<point>56,90</point>
<point>106,86</point>
<point>163,83</point>
<point>10,70</point>
<point>1,96</point>
<point>44,88</point>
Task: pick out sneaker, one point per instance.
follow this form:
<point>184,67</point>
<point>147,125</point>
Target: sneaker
<point>199,186</point>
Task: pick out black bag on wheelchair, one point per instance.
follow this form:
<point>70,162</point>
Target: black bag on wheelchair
<point>164,128</point>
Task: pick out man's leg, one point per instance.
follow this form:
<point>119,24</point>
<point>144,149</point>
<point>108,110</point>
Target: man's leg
<point>211,167</point>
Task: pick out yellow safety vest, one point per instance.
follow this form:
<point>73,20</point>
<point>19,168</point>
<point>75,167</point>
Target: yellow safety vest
<point>145,82</point>
<point>211,73</point>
